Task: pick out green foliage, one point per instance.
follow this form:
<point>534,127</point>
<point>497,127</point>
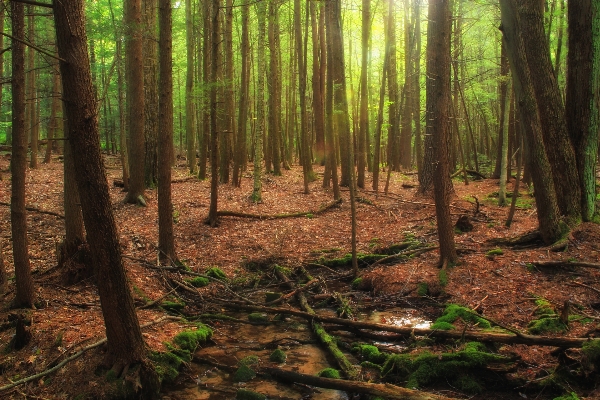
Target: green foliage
<point>244,374</point>
<point>245,394</point>
<point>548,321</point>
<point>258,318</point>
<point>217,273</point>
<point>570,396</point>
<point>250,360</point>
<point>172,306</point>
<point>198,281</point>
<point>329,373</point>
<point>591,353</point>
<point>422,289</point>
<point>189,340</point>
<point>278,356</point>
<point>175,216</point>
<point>454,312</point>
<point>443,277</point>
<point>356,283</point>
<point>166,364</point>
<point>494,252</point>
<point>282,270</point>
<point>462,368</point>
<point>370,353</point>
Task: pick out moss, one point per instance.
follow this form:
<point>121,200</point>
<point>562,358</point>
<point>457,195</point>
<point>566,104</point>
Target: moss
<point>245,394</point>
<point>329,373</point>
<point>544,308</point>
<point>591,353</point>
<point>272,296</point>
<point>494,252</point>
<point>278,356</point>
<point>244,374</point>
<point>189,340</point>
<point>370,353</point>
<point>166,364</point>
<point>198,281</point>
<point>546,325</point>
<point>250,360</point>
<point>443,277</point>
<point>217,273</point>
<point>454,312</point>
<point>356,283</point>
<point>369,364</point>
<point>258,318</point>
<point>422,289</point>
<point>282,270</point>
<point>442,326</point>
<point>172,306</point>
<point>346,261</point>
<point>570,396</point>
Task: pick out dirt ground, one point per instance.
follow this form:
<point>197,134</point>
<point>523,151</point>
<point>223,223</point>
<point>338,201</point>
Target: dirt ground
<point>502,287</point>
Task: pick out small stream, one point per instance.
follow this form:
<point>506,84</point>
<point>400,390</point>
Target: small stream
<point>234,341</point>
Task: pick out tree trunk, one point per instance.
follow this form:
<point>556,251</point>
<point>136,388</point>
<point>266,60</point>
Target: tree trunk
<point>318,82</point>
<point>190,123</point>
<point>206,137</point>
<point>304,139</point>
<point>364,94</point>
<point>583,96</point>
<point>503,85</point>
<point>261,12</point>
<point>32,120</point>
<point>393,156</point>
<point>241,146</point>
<point>18,216</point>
<point>329,108</point>
<point>274,87</point>
<point>150,51</point>
<point>124,337</point>
<point>213,218</point>
<point>228,118</point>
<point>438,98</point>
<point>166,241</point>
<point>538,164</point>
<point>417,85</point>
<point>134,76</point>
<point>53,111</point>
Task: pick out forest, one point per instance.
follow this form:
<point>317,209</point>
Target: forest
<point>299,199</point>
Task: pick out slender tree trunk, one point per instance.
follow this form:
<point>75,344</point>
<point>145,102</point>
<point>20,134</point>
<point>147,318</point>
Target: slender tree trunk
<point>559,39</point>
<point>364,93</point>
<point>122,117</point>
<point>190,123</point>
<point>124,337</point>
<point>318,64</point>
<point>55,104</point>
<point>241,145</point>
<point>228,95</point>
<point>274,87</point>
<point>393,156</point>
<point>504,156</point>
<point>329,106</point>
<point>304,141</point>
<point>377,144</point>
<point>503,84</point>
<point>134,77</point>
<point>150,51</point>
<point>261,13</point>
<point>438,98</point>
<point>583,95</point>
<point>417,85</point>
<point>540,169</point>
<point>213,218</point>
<point>166,241</point>
<point>32,120</point>
<point>206,73</point>
<point>24,295</point>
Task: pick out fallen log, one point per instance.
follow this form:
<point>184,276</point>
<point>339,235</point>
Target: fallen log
<point>530,340</point>
<point>565,263</point>
<point>226,213</point>
<point>384,390</point>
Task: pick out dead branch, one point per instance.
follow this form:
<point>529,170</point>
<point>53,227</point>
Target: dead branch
<point>37,210</point>
<point>565,263</point>
<point>292,293</point>
<point>530,340</point>
<point>225,213</point>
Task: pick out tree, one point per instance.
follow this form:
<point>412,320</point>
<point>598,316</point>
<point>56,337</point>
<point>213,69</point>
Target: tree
<point>166,241</point>
<point>134,76</point>
<point>261,12</point>
<point>124,337</point>
<point>150,53</point>
<point>240,150</point>
<point>274,86</point>
<point>583,96</point>
<point>32,102</point>
<point>364,93</point>
<point>213,218</point>
<point>438,101</point>
<point>541,173</point>
<point>190,125</point>
<point>18,217</point>
<point>52,122</point>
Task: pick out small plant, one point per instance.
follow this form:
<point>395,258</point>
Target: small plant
<point>58,341</point>
<point>244,374</point>
<point>494,252</point>
<point>422,289</point>
<point>198,281</point>
<point>278,356</point>
<point>331,373</point>
<point>175,216</point>
<point>217,273</point>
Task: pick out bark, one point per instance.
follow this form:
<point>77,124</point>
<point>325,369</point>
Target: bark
<point>74,231</point>
<point>134,76</point>
<point>52,123</point>
<point>166,241</point>
<point>214,138</point>
<point>205,135</point>
<point>318,82</point>
<point>364,94</point>
<point>274,85</point>
<point>417,85</point>
<point>3,274</point>
<point>583,95</point>
<point>32,120</point>
<point>438,99</point>
<point>150,52</point>
<point>541,173</point>
<point>393,156</point>
<point>240,157</point>
<point>329,113</point>
<point>407,110</point>
<point>377,144</point>
<point>18,217</point>
<point>261,11</point>
<point>125,342</point>
<point>122,117</point>
<point>190,123</point>
<point>503,86</point>
<point>228,118</point>
<point>549,103</point>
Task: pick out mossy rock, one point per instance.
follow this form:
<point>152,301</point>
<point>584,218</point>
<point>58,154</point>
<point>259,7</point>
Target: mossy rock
<point>198,281</point>
<point>258,318</point>
<point>244,374</point>
<point>172,306</point>
<point>370,353</point>
<point>331,373</point>
<point>278,356</point>
<point>272,296</point>
<point>454,312</point>
<point>245,394</point>
<point>190,339</point>
<point>217,273</point>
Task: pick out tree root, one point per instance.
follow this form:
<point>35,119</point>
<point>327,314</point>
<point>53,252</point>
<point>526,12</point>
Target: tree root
<point>225,213</point>
<point>37,210</point>
<point>565,263</point>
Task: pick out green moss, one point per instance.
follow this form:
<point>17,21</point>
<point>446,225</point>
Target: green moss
<point>250,360</point>
<point>346,261</point>
<point>442,326</point>
<point>494,252</point>
<point>217,273</point>
<point>244,374</point>
<point>591,353</point>
<point>356,283</point>
<point>258,318</point>
<point>546,325</point>
<point>454,312</point>
<point>245,394</point>
<point>422,289</point>
<point>172,306</point>
<point>570,396</point>
<point>369,364</point>
<point>166,364</point>
<point>278,356</point>
<point>272,296</point>
<point>198,281</point>
<point>111,376</point>
<point>189,340</point>
<point>443,277</point>
<point>544,308</point>
<point>329,373</point>
<point>370,353</point>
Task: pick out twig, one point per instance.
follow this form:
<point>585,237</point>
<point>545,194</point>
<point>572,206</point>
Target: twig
<point>37,210</point>
<point>585,286</point>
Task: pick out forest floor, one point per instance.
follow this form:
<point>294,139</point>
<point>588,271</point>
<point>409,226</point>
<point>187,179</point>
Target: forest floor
<point>503,287</point>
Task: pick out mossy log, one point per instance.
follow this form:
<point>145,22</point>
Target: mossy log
<point>226,213</point>
<point>530,340</point>
<point>565,263</point>
<point>526,239</point>
<point>387,391</point>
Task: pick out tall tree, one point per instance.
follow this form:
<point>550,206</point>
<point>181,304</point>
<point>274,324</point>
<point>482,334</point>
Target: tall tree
<point>364,93</point>
<point>417,85</point>
<point>583,95</point>
<point>213,218</point>
<point>393,155</point>
<point>134,76</point>
<point>32,101</point>
<point>274,86</point>
<point>190,125</point>
<point>52,121</point>
<point>150,53</point>
<point>539,166</point>
<point>124,337</point>
<point>228,118</point>
<point>18,216</point>
<point>438,101</point>
<point>261,13</point>
<point>240,150</point>
<point>166,241</point>
<point>318,80</point>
